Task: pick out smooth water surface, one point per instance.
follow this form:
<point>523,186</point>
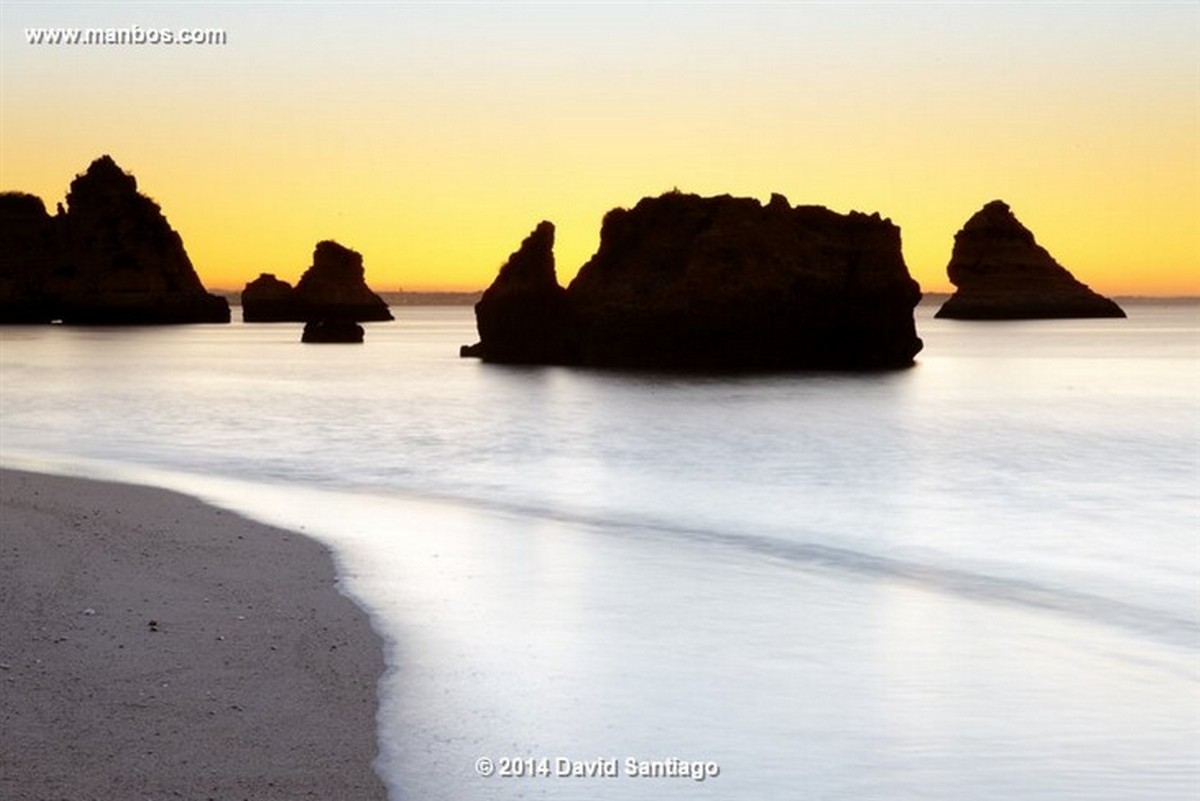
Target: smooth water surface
<point>977,578</point>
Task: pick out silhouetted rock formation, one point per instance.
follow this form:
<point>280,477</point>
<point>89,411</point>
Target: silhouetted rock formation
<point>522,315</point>
<point>266,299</point>
<point>29,254</point>
<point>333,288</point>
<point>111,258</point>
<point>332,331</point>
<point>1001,273</point>
<point>721,283</point>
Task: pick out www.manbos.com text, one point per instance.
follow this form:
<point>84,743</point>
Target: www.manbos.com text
<point>127,35</point>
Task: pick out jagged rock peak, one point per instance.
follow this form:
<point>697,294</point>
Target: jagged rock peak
<point>103,181</point>
<point>533,261</point>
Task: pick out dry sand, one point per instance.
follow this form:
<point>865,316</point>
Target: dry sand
<point>152,647</point>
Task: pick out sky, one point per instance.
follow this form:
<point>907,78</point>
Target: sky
<point>433,137</point>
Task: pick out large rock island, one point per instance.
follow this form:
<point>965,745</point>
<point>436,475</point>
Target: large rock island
<point>1002,273</point>
<point>109,258</point>
<point>710,283</point>
<point>333,288</point>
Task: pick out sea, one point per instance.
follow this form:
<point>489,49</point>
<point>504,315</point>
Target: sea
<point>975,578</point>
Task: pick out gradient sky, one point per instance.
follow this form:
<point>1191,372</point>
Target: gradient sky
<point>432,137</point>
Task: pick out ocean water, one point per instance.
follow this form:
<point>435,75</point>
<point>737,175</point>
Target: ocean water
<point>977,578</point>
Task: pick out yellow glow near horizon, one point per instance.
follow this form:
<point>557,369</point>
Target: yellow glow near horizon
<point>433,139</point>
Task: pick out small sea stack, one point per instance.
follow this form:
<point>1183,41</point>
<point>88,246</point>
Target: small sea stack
<point>1001,273</point>
<point>334,287</point>
<point>722,284</point>
<point>108,258</point>
<point>267,299</point>
<point>332,331</point>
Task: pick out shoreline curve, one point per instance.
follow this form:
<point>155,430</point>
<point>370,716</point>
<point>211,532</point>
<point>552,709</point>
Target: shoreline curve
<point>153,644</point>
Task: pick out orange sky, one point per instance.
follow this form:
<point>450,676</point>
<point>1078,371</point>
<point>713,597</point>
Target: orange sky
<point>433,137</point>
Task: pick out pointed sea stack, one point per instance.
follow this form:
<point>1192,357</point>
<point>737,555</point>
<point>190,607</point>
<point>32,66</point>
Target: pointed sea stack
<point>522,315</point>
<point>333,288</point>
<point>682,282</point>
<point>110,258</point>
<point>1001,273</point>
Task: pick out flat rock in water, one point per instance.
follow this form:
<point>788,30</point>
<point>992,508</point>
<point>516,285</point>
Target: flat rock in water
<point>332,331</point>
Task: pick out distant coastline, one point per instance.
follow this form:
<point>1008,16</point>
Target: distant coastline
<point>404,298</point>
<point>401,298</point>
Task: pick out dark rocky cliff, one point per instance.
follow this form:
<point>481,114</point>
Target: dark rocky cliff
<point>720,283</point>
<point>1001,273</point>
<point>109,258</point>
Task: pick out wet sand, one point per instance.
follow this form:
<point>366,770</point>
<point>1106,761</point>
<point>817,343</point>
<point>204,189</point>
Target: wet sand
<point>153,647</point>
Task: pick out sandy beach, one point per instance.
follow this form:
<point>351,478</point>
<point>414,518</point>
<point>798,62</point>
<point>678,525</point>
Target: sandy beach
<point>153,647</point>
